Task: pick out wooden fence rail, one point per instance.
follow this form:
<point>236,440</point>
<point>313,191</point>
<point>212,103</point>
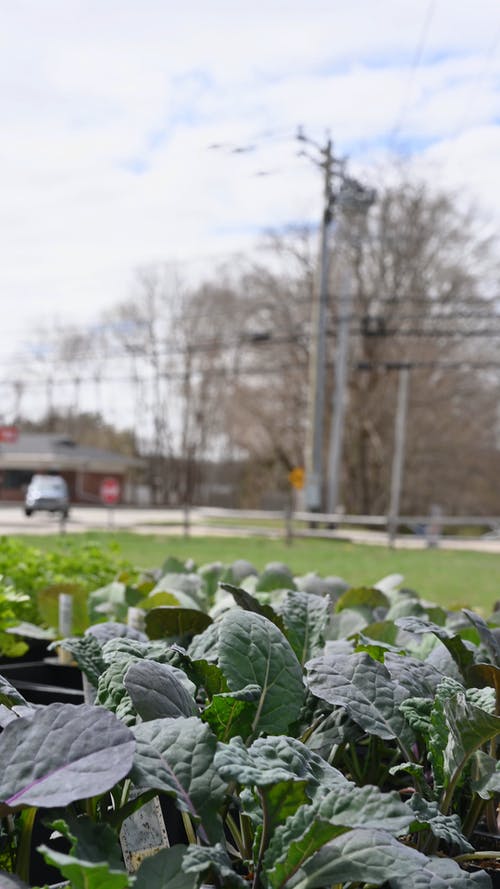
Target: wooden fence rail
<point>326,525</point>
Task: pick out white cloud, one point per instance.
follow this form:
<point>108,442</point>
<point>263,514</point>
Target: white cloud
<point>108,110</point>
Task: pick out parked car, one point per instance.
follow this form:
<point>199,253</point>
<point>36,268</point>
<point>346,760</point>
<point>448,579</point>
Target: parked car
<point>47,492</point>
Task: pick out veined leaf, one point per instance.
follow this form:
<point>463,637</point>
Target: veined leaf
<point>419,678</point>
<point>62,753</point>
<point>157,691</point>
<point>305,618</point>
<point>247,602</point>
<point>365,856</point>
<point>205,646</point>
<point>366,690</point>
<point>342,809</point>
<point>462,655</point>
<point>232,713</point>
<point>176,756</point>
<point>442,873</point>
<point>253,651</point>
<point>271,760</point>
<point>445,827</point>
<point>469,727</point>
<point>87,653</point>
<point>166,621</point>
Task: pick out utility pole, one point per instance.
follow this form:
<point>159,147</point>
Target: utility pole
<point>339,394</point>
<point>317,359</point>
<point>353,200</point>
<point>399,449</point>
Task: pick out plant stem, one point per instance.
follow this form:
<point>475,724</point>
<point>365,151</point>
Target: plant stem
<point>477,856</point>
<point>27,820</point>
<point>188,827</point>
<point>236,834</point>
<point>312,728</point>
<point>247,834</point>
<point>473,815</point>
<point>264,839</point>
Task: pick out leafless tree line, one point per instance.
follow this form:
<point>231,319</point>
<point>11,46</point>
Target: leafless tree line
<point>220,371</point>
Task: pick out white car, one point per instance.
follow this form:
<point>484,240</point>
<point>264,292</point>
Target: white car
<point>49,493</point>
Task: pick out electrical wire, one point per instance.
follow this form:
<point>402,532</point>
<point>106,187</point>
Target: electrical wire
<point>417,58</point>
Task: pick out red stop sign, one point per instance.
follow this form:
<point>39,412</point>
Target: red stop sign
<point>110,491</point>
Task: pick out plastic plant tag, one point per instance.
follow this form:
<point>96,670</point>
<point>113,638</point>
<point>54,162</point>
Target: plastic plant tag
<point>143,834</point>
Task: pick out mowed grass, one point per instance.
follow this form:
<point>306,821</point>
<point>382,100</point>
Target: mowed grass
<point>448,577</point>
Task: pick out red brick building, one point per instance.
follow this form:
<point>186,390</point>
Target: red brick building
<point>83,467</point>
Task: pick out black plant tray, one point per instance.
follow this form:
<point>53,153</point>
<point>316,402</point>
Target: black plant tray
<point>45,682</point>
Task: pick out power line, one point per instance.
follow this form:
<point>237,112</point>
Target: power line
<point>417,58</point>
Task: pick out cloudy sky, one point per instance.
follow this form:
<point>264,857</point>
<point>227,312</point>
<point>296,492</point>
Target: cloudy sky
<point>110,109</point>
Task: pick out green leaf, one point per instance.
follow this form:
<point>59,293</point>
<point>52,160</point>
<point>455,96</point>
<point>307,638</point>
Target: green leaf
<point>165,870</point>
<point>176,756</point>
<point>247,602</point>
<point>205,646</point>
<point>120,654</point>
<point>156,690</point>
<point>419,678</point>
<point>305,619</point>
<point>253,651</point>
<point>230,714</point>
<point>364,856</point>
<point>281,801</point>
<point>108,601</point>
<point>87,653</point>
<point>442,873</point>
<point>275,576</point>
<point>486,775</point>
<point>85,874</point>
<point>364,599</point>
<point>188,587</point>
<point>469,728</point>
<point>214,862</point>
<point>488,638</point>
<point>417,712</point>
<point>343,808</point>
<point>10,696</point>
<point>206,676</point>
<point>445,827</point>
<point>366,690</point>
<point>481,675</point>
<point>274,759</point>
<point>90,840</point>
<point>168,621</point>
<point>172,565</point>
<point>183,867</point>
<point>63,753</point>
<point>462,655</point>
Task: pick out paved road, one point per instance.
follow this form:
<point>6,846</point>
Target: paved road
<point>171,521</point>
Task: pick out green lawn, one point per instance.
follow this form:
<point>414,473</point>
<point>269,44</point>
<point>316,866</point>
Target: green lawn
<point>447,577</point>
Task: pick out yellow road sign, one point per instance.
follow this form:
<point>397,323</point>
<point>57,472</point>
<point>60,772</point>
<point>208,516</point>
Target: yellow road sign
<point>296,477</point>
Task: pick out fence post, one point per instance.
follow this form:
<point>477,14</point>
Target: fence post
<point>399,448</point>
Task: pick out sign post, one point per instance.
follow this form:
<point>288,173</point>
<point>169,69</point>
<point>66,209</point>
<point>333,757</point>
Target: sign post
<point>109,493</point>
<point>296,478</point>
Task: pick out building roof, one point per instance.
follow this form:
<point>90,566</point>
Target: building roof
<point>52,451</point>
